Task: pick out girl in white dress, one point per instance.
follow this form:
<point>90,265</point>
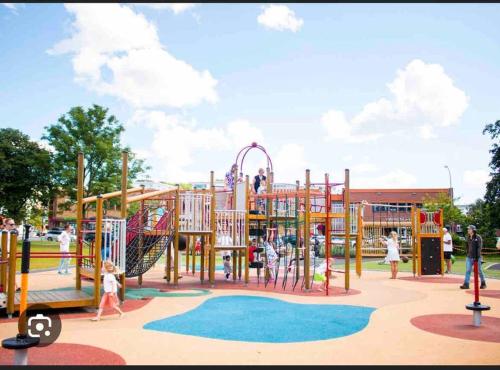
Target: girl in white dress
<point>392,252</point>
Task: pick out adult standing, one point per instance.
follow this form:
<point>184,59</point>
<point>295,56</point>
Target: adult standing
<point>64,239</point>
<point>229,183</point>
<point>257,180</point>
<point>474,247</point>
<point>447,249</point>
<point>392,252</point>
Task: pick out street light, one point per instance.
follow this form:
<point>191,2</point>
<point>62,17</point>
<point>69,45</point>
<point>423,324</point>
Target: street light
<point>451,186</point>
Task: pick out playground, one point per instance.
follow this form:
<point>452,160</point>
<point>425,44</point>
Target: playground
<point>235,276</point>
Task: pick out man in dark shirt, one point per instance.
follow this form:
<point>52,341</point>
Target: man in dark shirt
<point>474,246</point>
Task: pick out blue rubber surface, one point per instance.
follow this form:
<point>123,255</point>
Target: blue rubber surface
<point>262,319</point>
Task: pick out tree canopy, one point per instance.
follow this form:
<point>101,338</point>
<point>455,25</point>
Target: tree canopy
<point>97,134</point>
<point>26,173</point>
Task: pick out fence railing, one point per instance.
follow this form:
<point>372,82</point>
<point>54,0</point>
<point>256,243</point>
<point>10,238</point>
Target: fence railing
<point>194,212</point>
<point>230,227</point>
<point>113,242</point>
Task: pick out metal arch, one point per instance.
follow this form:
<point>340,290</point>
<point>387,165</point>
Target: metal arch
<point>246,149</point>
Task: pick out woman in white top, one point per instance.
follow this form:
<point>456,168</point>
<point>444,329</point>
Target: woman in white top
<point>392,252</point>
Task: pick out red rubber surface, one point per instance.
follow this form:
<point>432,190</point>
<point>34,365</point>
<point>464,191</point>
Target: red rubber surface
<point>486,293</point>
<point>65,354</point>
<point>128,305</point>
<point>460,326</point>
<point>434,279</point>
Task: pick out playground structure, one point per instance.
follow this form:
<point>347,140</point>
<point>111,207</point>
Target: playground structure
<point>296,227</point>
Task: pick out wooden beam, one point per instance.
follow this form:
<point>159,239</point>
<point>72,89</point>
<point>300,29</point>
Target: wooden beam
<point>347,223</point>
<point>79,217</point>
<point>149,195</point>
<point>113,194</point>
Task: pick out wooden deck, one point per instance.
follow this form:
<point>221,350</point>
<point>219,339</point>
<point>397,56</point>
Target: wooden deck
<point>57,298</point>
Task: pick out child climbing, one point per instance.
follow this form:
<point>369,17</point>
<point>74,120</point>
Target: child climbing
<point>272,259</point>
<point>320,273</point>
<point>227,266</point>
<point>109,299</point>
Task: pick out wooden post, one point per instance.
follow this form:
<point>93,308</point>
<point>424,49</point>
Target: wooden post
<point>347,220</point>
<point>123,211</point>
<point>247,229</point>
<point>141,237</point>
<point>79,217</point>
<point>213,226</point>
<point>297,234</point>
<point>328,205</point>
<point>176,236</point>
<point>188,250</point>
<point>193,259</point>
<point>3,267</point>
<point>307,254</point>
<point>97,251</point>
<point>202,260</point>
<point>11,290</point>
<point>413,240</point>
<point>359,240</point>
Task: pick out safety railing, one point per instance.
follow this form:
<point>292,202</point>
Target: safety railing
<point>113,242</point>
<point>194,213</point>
<point>230,227</point>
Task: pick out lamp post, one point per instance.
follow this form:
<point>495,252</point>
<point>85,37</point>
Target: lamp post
<point>451,186</point>
<point>451,195</point>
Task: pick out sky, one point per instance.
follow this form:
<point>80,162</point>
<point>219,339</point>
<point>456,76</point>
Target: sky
<point>393,92</point>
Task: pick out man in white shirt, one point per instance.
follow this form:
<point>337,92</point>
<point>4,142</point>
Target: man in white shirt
<point>64,239</point>
<point>448,249</point>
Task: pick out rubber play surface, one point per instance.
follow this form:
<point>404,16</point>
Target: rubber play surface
<point>261,319</point>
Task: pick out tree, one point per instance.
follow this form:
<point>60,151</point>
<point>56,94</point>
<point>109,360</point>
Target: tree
<point>451,213</point>
<point>97,135</point>
<point>479,215</point>
<point>25,174</point>
<point>492,196</point>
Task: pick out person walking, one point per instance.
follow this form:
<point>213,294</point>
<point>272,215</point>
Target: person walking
<point>447,249</point>
<point>474,247</point>
<point>64,239</point>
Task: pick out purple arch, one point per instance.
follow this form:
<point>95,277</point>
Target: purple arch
<point>246,149</point>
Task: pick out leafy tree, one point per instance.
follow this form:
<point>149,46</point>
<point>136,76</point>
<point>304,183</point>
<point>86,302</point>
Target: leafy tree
<point>97,135</point>
<point>479,215</point>
<point>451,213</point>
<point>492,196</point>
<point>25,174</point>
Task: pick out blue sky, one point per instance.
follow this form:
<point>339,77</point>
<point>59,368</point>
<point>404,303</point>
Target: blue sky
<point>392,91</point>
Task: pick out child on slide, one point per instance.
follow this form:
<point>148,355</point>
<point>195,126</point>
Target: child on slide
<point>320,273</point>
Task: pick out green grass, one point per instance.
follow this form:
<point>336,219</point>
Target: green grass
<point>44,263</point>
<point>457,268</point>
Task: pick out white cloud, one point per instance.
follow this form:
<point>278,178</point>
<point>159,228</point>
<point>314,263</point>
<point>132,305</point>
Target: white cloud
<point>176,142</point>
<point>364,167</point>
<point>424,98</point>
<point>476,178</point>
<point>393,179</point>
<point>177,8</point>
<point>290,163</point>
<point>11,6</point>
<point>279,17</point>
<point>117,52</point>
